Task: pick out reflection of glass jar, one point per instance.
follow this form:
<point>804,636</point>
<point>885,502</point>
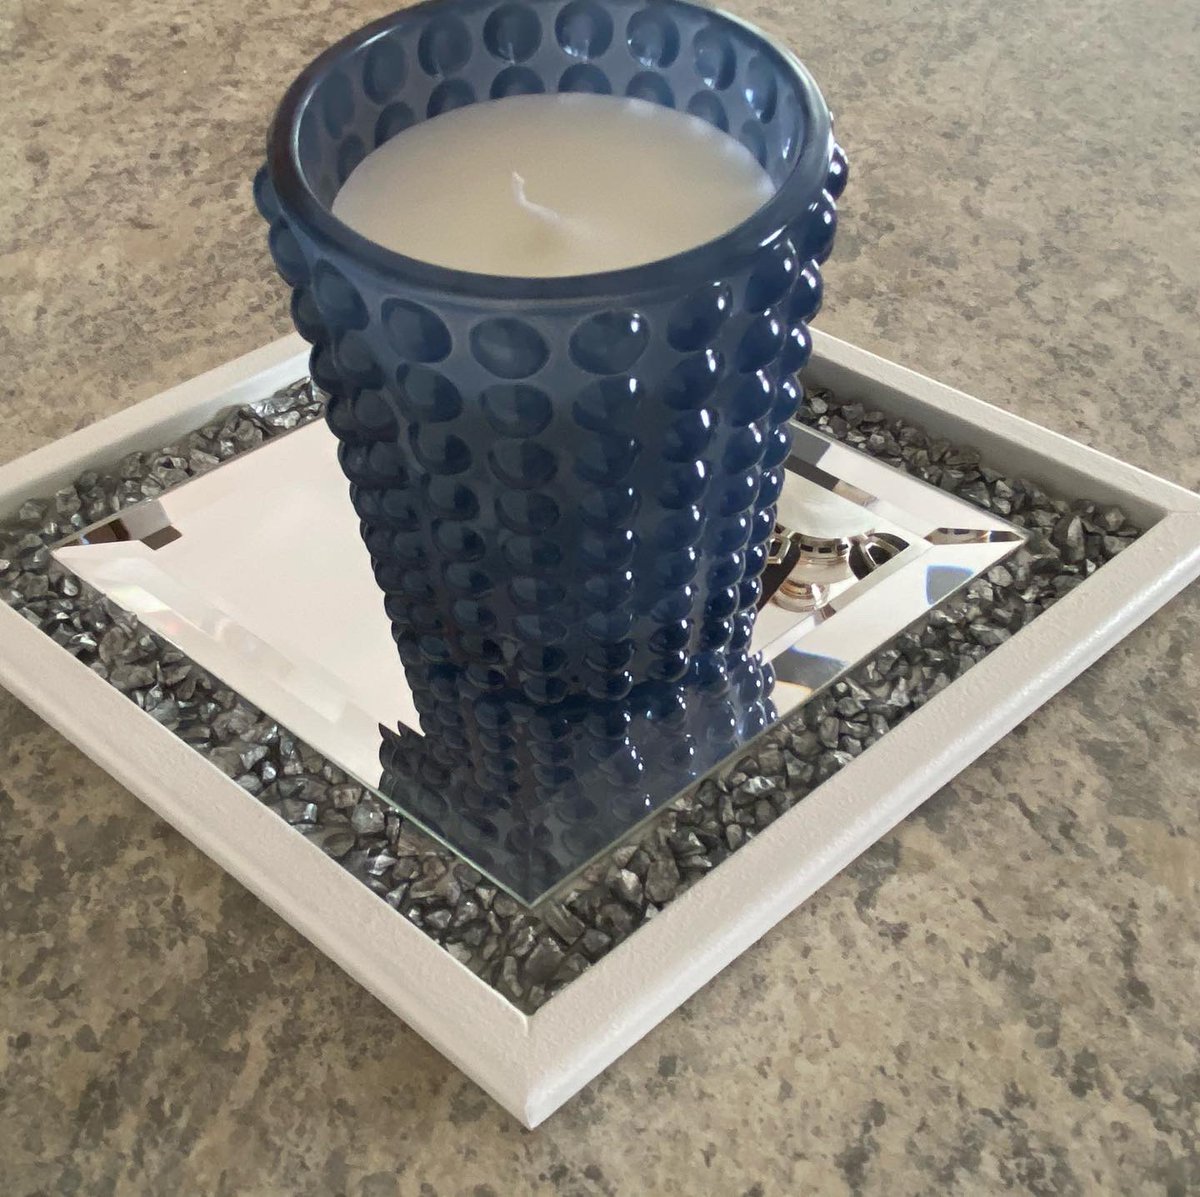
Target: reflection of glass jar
<point>528,794</point>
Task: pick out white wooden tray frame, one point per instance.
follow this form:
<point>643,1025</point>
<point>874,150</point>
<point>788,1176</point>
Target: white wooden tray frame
<point>532,1064</point>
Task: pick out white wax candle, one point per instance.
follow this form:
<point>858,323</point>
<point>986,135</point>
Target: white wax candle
<point>552,185</point>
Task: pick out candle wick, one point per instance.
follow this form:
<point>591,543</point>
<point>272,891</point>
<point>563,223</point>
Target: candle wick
<point>548,214</point>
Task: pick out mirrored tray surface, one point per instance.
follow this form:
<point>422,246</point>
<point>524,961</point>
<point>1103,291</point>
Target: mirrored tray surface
<point>256,571</point>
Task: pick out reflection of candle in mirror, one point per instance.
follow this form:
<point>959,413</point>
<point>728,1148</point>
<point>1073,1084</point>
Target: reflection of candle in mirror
<point>552,185</point>
<point>808,507</point>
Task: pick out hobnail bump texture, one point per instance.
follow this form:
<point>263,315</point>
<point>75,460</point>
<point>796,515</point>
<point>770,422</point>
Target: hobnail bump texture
<point>530,793</point>
<point>566,489</point>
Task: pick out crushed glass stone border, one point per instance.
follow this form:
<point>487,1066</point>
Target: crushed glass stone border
<point>528,955</point>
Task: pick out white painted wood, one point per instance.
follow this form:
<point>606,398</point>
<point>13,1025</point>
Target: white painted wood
<point>462,1017</point>
<point>1018,446</point>
<point>532,1065</point>
<point>644,979</point>
<point>155,421</point>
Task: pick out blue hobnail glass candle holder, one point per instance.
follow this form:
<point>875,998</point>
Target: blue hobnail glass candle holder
<point>566,485</point>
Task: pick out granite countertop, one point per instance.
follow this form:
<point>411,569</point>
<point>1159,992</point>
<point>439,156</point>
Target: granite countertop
<point>1000,995</point>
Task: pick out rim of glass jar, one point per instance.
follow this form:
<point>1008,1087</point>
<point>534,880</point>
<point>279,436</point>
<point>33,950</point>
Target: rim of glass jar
<point>690,267</point>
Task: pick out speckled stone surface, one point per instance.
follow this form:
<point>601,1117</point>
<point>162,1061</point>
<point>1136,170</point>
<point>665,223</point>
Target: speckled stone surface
<point>999,996</point>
